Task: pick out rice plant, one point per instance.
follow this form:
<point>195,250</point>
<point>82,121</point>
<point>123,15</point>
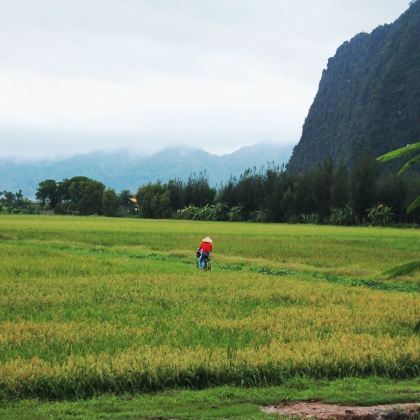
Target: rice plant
<point>93,305</point>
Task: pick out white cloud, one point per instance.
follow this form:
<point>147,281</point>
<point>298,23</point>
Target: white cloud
<point>147,74</point>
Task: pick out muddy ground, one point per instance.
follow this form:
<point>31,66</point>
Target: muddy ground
<point>331,411</point>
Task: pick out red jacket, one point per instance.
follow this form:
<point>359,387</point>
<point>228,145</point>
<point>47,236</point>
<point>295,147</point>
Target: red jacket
<point>206,247</point>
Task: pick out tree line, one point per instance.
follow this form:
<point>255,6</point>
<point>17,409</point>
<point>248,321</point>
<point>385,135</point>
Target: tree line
<point>328,193</point>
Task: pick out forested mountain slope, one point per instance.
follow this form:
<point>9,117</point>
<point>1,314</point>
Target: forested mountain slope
<point>125,170</point>
<point>368,98</point>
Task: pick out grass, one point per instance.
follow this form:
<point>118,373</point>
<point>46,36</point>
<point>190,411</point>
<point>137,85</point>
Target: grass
<point>92,306</point>
<point>349,251</point>
<point>403,269</point>
<point>226,402</point>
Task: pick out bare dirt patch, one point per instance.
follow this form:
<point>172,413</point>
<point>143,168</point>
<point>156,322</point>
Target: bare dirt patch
<point>331,411</point>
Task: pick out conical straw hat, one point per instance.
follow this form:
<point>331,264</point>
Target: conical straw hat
<point>208,239</point>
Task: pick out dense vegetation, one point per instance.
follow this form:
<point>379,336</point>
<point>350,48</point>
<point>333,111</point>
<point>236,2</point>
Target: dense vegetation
<point>11,202</point>
<point>324,194</point>
<point>84,196</point>
<point>368,97</point>
<point>99,305</point>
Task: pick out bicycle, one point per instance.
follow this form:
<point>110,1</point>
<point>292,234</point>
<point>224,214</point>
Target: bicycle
<point>207,263</point>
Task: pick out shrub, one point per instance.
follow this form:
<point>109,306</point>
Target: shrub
<point>235,214</point>
<point>343,217</point>
<point>380,214</point>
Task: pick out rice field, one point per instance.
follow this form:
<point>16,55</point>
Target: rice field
<point>92,305</point>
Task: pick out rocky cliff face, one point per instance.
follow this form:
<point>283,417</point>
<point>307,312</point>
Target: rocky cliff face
<point>368,98</point>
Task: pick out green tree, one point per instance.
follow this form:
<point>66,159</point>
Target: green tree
<point>48,193</point>
<point>228,194</point>
<point>250,192</point>
<point>155,202</point>
<point>176,193</point>
<point>82,195</point>
<point>198,191</point>
<point>127,204</point>
<point>363,186</point>
<point>339,188</point>
<point>275,183</point>
<point>16,203</point>
<point>110,203</point>
<point>392,191</point>
<point>322,180</point>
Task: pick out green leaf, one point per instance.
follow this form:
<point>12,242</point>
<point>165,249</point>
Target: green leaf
<point>415,204</point>
<point>399,152</point>
<point>409,164</point>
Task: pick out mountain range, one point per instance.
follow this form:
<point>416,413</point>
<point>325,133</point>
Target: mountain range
<point>124,169</point>
<point>368,99</point>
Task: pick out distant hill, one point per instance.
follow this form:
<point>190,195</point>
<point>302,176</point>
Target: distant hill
<point>125,170</point>
<point>368,97</point>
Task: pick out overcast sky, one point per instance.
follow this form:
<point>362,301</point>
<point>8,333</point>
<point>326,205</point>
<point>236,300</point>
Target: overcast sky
<point>80,75</point>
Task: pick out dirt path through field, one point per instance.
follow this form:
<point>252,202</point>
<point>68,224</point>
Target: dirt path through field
<point>328,411</point>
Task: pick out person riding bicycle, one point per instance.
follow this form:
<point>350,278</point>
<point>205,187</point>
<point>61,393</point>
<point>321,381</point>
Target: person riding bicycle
<point>204,251</point>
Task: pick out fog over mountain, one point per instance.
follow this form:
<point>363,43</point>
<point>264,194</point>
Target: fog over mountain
<point>124,169</point>
<point>78,76</point>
